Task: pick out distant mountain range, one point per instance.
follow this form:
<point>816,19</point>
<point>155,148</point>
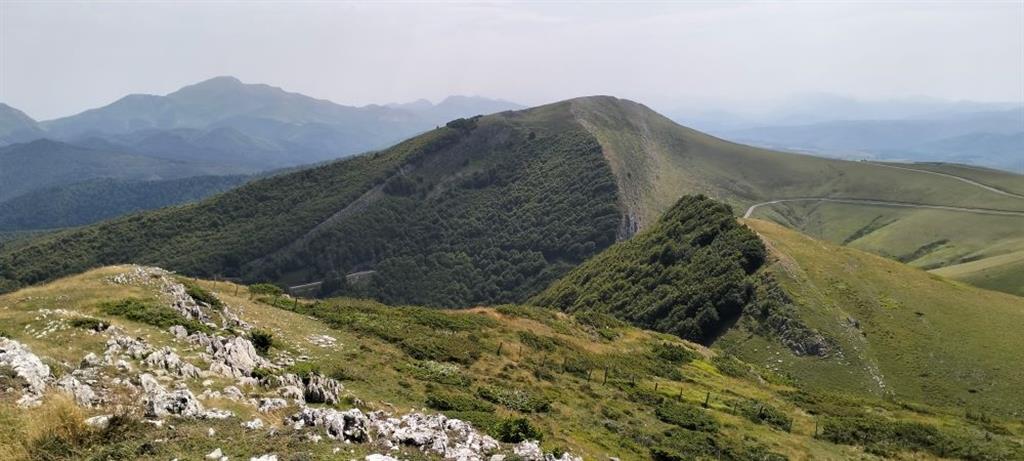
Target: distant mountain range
<point>219,126</point>
<point>919,130</point>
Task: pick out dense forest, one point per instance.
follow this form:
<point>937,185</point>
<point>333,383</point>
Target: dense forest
<point>693,274</point>
<point>483,210</point>
<point>513,218</point>
<point>98,199</point>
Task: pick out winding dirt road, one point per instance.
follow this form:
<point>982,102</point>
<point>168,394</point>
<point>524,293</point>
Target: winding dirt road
<point>750,210</point>
<point>972,182</point>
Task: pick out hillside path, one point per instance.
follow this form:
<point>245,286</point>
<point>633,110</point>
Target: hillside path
<point>755,206</point>
<point>952,176</point>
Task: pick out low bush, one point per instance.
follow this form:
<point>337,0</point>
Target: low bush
<point>265,289</point>
<point>202,295</point>
<point>519,400</point>
<point>686,416</point>
<point>731,366</point>
<point>674,353</point>
<point>150,313</point>
<point>442,373</point>
<point>262,340</point>
<point>89,323</point>
<point>538,342</point>
<point>765,414</point>
<point>515,430</point>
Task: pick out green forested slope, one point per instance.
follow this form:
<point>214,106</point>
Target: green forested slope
<point>98,199</point>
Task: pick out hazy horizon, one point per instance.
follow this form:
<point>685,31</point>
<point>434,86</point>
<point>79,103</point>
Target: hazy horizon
<point>58,59</point>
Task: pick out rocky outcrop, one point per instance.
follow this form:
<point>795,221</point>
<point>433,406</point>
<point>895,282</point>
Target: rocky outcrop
<point>167,359</point>
<point>82,393</point>
<point>349,425</point>
<point>447,437</point>
<point>157,402</point>
<point>121,345</point>
<point>321,389</point>
<point>235,357</point>
<point>26,366</point>
<point>266,405</point>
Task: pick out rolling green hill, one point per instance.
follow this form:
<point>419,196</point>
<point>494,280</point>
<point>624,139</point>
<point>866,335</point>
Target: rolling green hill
<point>483,210</point>
<point>902,331</point>
<point>831,317</point>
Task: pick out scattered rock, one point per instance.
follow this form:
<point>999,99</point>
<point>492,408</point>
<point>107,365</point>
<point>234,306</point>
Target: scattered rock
<point>379,457</point>
<point>99,422</point>
<point>179,331</point>
<point>233,393</point>
<point>127,346</point>
<point>254,424</point>
<point>215,454</point>
<point>349,425</point>
<point>90,360</point>
<point>236,358</point>
<point>321,389</point>
<point>82,392</point>
<point>448,437</point>
<point>158,403</point>
<point>167,359</point>
<point>264,458</point>
<point>26,366</point>
<point>267,405</point>
<point>528,450</point>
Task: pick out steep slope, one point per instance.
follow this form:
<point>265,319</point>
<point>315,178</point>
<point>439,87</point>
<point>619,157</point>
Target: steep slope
<point>94,200</point>
<point>482,210</point>
<point>691,274</point>
<point>44,163</point>
<point>831,317</point>
<point>657,161</point>
<point>587,386</point>
<point>902,331</point>
<point>487,209</point>
<point>16,127</point>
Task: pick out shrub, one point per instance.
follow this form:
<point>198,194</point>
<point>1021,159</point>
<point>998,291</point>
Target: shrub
<point>515,430</point>
<point>443,373</point>
<point>730,366</point>
<point>765,414</point>
<point>686,416</point>
<point>265,289</point>
<point>89,323</point>
<point>141,311</point>
<point>538,342</point>
<point>673,353</point>
<point>261,374</point>
<point>304,369</point>
<point>200,294</point>
<point>515,399</point>
<point>261,340</point>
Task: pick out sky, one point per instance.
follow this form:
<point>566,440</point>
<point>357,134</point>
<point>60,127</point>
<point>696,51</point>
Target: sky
<point>60,58</point>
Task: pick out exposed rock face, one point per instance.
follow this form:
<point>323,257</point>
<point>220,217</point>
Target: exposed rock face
<point>235,357</point>
<point>82,392</point>
<point>529,451</point>
<point>178,331</point>
<point>321,389</point>
<point>125,345</point>
<point>266,405</point>
<point>436,433</point>
<point>379,457</point>
<point>157,402</point>
<point>90,360</point>
<point>99,422</point>
<point>166,359</point>
<point>26,366</point>
<point>349,425</point>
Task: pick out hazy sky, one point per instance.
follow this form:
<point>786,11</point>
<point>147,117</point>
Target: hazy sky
<point>59,58</point>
